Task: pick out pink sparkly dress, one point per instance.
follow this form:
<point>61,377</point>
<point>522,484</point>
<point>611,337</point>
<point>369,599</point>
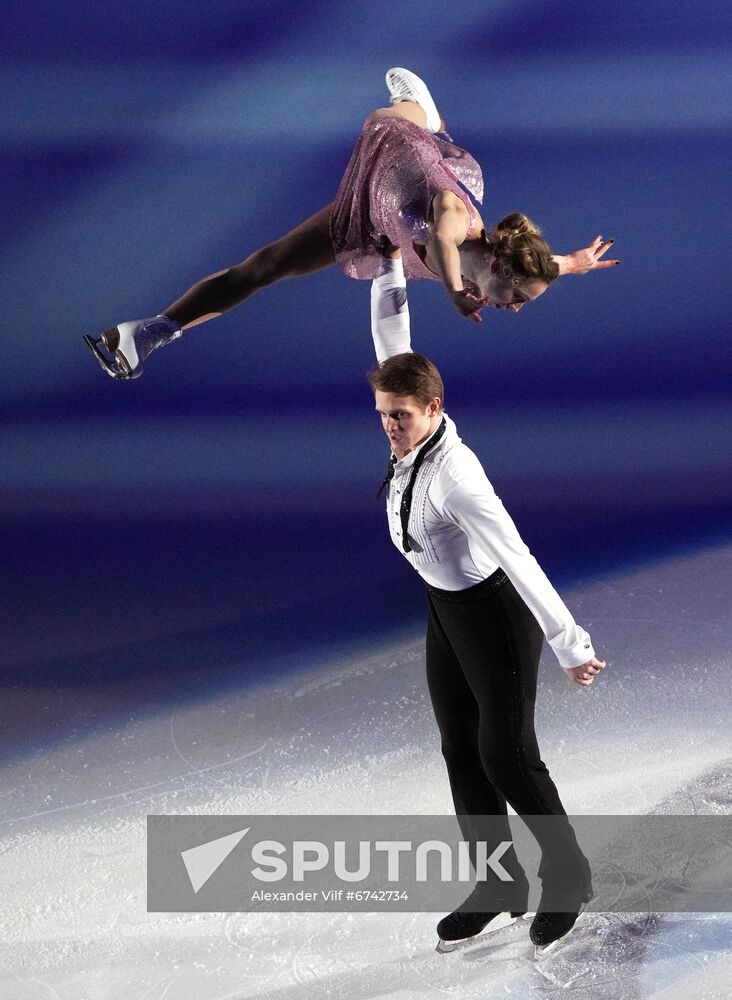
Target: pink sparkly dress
<point>395,171</point>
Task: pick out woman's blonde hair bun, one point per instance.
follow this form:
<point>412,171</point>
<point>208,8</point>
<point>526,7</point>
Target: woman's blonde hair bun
<point>517,224</point>
<point>519,245</point>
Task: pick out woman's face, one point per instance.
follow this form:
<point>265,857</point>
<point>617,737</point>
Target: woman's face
<point>511,292</point>
<point>486,279</point>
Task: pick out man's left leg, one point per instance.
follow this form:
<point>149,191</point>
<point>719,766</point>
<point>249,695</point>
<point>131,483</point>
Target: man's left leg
<point>498,643</point>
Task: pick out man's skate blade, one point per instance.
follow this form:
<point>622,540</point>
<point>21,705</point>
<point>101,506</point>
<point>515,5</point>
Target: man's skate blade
<point>544,949</point>
<point>497,924</point>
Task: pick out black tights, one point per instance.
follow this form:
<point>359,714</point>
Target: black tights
<point>483,649</point>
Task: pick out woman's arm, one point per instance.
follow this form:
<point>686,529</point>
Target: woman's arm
<point>390,311</point>
<point>448,230</point>
<point>582,261</point>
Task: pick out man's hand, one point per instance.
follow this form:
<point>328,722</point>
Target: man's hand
<point>586,673</point>
<point>467,305</point>
<point>582,261</point>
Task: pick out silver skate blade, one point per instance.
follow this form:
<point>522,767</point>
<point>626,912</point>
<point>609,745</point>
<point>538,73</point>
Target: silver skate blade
<point>543,949</point>
<point>497,924</point>
<point>125,368</point>
<point>540,950</point>
<point>445,946</point>
<point>116,365</point>
<point>106,363</point>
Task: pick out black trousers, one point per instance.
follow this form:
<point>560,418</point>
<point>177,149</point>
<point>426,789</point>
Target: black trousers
<point>483,649</point>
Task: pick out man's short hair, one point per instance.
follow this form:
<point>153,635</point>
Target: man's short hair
<point>408,375</point>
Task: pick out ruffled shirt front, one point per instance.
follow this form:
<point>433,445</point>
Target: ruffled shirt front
<point>460,533</point>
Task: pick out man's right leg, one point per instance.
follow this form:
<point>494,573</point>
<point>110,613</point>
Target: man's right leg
<point>458,719</point>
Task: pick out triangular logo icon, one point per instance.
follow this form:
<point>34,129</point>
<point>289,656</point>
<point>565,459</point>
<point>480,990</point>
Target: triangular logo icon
<point>202,861</point>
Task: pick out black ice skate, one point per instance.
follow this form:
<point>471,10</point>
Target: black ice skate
<point>128,344</point>
<point>470,918</point>
<point>548,927</point>
<point>458,929</point>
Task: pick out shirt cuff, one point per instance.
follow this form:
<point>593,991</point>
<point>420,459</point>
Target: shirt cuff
<point>573,653</point>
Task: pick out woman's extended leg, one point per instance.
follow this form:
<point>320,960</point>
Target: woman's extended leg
<point>404,109</point>
<point>304,250</point>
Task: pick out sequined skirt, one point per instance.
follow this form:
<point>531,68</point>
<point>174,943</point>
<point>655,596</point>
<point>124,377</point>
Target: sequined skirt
<point>395,171</point>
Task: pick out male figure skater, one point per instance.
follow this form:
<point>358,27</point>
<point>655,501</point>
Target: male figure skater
<point>490,607</point>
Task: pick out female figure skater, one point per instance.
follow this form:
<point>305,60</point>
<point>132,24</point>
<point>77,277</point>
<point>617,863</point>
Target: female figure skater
<point>400,190</point>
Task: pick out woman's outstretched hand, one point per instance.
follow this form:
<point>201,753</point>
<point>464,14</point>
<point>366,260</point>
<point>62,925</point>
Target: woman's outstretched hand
<point>586,673</point>
<point>467,305</point>
<point>583,261</point>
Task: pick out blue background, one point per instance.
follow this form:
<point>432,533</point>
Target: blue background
<point>214,521</point>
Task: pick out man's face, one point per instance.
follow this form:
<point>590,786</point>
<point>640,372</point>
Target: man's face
<point>407,423</point>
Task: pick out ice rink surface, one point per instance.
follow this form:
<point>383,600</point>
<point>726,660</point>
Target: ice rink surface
<point>355,734</point>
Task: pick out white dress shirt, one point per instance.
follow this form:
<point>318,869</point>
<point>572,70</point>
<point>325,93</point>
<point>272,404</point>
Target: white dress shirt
<point>459,530</point>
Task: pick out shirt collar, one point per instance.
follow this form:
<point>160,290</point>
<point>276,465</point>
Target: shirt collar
<point>449,436</point>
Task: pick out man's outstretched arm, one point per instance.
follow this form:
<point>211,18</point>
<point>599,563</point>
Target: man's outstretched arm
<point>390,311</point>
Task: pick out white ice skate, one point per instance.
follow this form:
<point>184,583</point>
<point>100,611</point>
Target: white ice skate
<point>406,86</point>
<point>128,344</point>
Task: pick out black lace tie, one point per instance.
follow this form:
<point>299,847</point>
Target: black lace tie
<point>406,504</point>
<point>389,475</point>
